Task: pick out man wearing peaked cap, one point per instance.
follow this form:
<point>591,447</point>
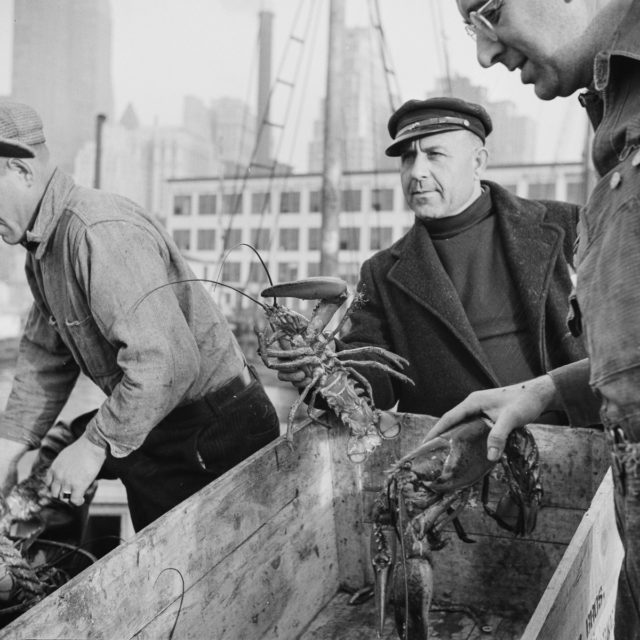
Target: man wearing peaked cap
<point>180,401</point>
<point>476,293</point>
<point>416,118</point>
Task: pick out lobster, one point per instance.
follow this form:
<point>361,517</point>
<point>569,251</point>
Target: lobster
<point>296,342</point>
<point>303,344</point>
<point>424,492</point>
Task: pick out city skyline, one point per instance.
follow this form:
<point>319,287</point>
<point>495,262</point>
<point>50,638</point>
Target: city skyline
<point>162,51</point>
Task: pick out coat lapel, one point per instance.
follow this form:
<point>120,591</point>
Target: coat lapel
<point>531,247</point>
<point>419,273</point>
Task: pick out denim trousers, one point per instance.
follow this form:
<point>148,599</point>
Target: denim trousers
<point>608,291</point>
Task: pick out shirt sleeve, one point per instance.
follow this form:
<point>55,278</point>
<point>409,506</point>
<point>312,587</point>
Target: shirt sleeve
<point>44,378</point>
<point>578,400</point>
<point>123,268</point>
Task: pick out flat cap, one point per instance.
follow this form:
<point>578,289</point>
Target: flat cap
<point>419,118</point>
<point>20,129</point>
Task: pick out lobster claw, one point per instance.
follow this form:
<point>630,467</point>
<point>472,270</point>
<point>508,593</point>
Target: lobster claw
<point>313,288</point>
<point>383,558</point>
<point>332,293</point>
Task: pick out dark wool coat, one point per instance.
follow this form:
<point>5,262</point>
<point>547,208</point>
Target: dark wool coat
<point>413,309</point>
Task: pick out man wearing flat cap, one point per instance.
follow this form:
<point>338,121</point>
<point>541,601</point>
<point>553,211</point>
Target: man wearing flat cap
<point>181,406</point>
<point>475,295</point>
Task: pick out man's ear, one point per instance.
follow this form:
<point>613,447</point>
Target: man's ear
<point>23,167</point>
<point>480,161</point>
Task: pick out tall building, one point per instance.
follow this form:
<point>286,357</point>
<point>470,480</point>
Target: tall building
<point>513,139</point>
<point>366,108</point>
<point>62,67</point>
<point>137,161</point>
<point>233,127</point>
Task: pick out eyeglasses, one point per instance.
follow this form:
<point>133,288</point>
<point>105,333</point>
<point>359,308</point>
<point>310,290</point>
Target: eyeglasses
<point>484,20</point>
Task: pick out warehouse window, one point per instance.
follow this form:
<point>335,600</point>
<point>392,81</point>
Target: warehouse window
<point>207,204</point>
<point>182,205</point>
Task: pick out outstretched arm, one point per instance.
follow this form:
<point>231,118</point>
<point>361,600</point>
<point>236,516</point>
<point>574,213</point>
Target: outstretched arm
<point>508,407</point>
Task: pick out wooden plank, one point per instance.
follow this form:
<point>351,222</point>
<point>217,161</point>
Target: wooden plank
<point>517,569</point>
<point>245,547</point>
<point>580,599</point>
<point>352,534</point>
<point>573,461</point>
<point>341,621</point>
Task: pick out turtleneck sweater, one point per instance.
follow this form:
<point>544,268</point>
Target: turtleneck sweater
<point>470,249</point>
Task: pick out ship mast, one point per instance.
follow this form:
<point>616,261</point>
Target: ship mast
<point>332,157</point>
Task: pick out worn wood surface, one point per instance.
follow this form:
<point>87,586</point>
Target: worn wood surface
<point>262,550</point>
<point>253,554</point>
<point>579,601</point>
<point>573,462</point>
<point>341,621</point>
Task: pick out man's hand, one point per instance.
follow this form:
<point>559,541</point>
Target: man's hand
<point>297,378</point>
<point>75,468</point>
<point>298,375</point>
<point>10,454</point>
<point>508,407</point>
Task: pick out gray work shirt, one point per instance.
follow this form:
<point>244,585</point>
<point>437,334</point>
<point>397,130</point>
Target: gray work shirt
<point>92,256</point>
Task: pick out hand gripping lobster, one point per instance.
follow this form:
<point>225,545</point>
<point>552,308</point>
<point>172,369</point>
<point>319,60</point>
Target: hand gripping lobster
<point>298,343</point>
<point>424,492</point>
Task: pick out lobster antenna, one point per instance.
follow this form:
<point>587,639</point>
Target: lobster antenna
<point>264,266</point>
<point>216,282</point>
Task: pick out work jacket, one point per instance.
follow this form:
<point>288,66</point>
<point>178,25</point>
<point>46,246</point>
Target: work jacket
<point>96,264</point>
<point>413,310</point>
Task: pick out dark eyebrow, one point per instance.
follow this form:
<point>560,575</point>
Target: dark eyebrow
<point>431,148</point>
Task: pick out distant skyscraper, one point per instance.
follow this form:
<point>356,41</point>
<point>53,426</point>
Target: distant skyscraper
<point>137,160</point>
<point>62,67</point>
<point>366,108</point>
<point>513,140</point>
<point>233,127</point>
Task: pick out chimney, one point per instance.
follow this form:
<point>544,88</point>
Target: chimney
<point>263,152</point>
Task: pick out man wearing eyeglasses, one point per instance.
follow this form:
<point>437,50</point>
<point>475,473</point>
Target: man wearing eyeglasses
<point>561,46</point>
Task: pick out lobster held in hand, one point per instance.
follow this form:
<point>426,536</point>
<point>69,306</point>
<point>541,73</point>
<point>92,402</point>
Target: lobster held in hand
<point>425,491</point>
<point>297,343</point>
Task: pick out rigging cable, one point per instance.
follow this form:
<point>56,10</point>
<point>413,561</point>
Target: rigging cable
<point>264,122</point>
<point>270,236</point>
<point>440,35</point>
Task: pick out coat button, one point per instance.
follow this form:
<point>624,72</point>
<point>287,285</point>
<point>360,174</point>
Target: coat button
<point>635,161</point>
<point>615,180</point>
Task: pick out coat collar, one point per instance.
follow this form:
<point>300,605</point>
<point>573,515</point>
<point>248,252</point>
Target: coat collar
<point>530,244</point>
<point>50,210</point>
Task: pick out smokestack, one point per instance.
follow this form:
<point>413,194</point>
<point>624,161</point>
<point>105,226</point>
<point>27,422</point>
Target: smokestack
<point>263,152</point>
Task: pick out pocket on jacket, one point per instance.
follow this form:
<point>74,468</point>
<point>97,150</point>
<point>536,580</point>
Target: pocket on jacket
<point>94,354</point>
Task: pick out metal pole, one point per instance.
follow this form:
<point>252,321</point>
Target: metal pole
<point>100,118</point>
<point>332,159</point>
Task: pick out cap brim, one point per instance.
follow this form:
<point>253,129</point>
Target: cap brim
<point>397,147</point>
<point>12,149</point>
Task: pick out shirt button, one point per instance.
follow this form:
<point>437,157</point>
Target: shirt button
<point>615,180</point>
<point>635,161</point>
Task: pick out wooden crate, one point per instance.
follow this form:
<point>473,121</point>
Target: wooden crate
<point>264,551</point>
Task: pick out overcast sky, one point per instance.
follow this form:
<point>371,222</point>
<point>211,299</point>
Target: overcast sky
<point>164,49</point>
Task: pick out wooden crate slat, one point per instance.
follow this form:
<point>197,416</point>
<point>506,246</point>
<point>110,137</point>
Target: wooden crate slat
<point>579,601</point>
<point>203,532</point>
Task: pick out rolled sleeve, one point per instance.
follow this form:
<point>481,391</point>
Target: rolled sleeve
<point>44,378</point>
